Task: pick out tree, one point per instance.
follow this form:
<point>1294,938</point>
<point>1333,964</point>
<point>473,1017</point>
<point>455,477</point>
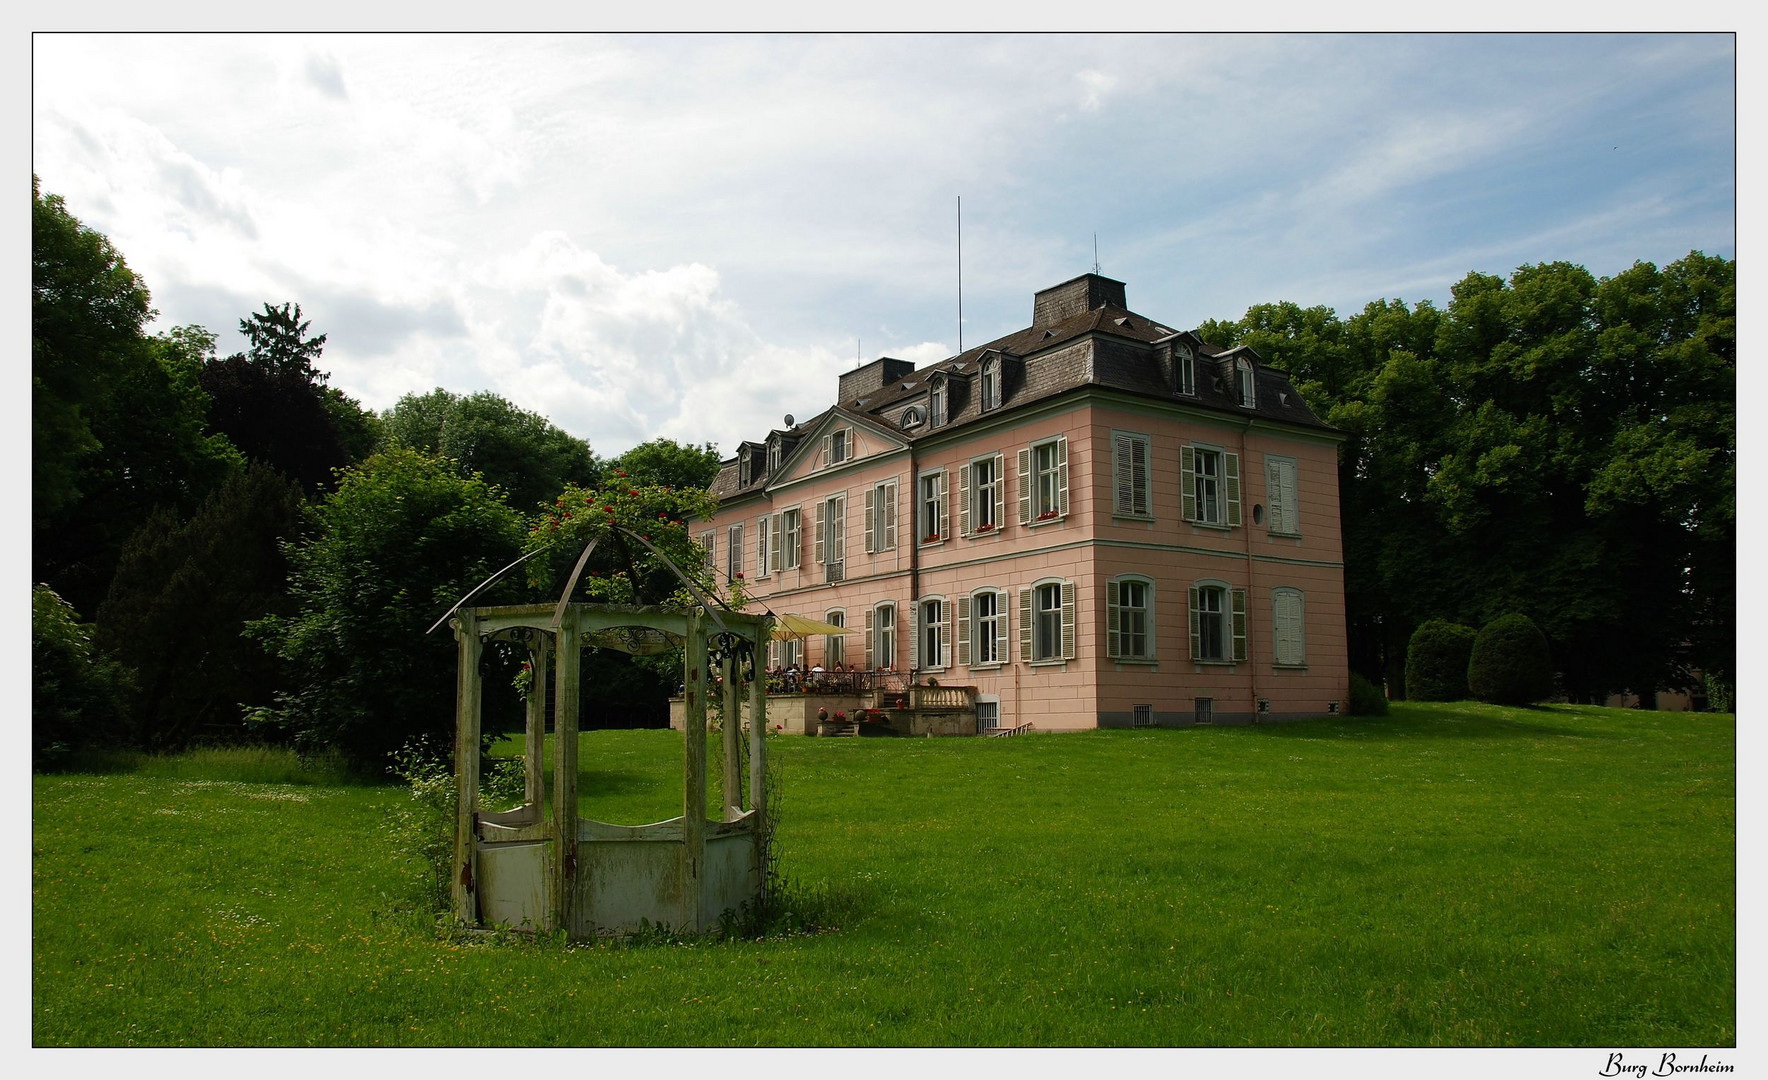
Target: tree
<point>1510,664</point>
<point>87,313</point>
<point>402,538</point>
<point>77,692</point>
<point>272,402</point>
<point>179,602</point>
<point>519,451</point>
<point>1436,661</point>
<point>667,463</point>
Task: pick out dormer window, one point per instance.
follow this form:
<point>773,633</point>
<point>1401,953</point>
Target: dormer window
<point>745,470</point>
<point>936,403</point>
<point>1243,386</point>
<point>773,456</point>
<point>1185,370</point>
<point>991,383</point>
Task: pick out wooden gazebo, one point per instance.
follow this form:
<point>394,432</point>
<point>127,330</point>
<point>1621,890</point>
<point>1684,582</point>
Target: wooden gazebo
<point>542,866</point>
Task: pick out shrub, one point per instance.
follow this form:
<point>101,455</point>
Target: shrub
<point>1367,699</point>
<point>1510,664</point>
<point>77,692</point>
<point>1436,661</point>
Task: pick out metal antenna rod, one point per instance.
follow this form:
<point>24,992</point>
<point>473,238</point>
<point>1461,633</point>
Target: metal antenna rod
<point>960,273</point>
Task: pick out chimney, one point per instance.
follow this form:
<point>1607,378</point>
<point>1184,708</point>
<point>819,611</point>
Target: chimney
<point>1075,297</point>
<point>873,377</point>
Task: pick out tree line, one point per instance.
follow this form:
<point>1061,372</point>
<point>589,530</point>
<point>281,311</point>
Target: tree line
<point>228,548</point>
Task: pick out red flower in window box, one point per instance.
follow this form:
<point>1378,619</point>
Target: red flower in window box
<point>985,528</point>
<point>932,537</point>
<point>1048,515</point>
<point>739,575</point>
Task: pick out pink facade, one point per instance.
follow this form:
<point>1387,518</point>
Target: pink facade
<point>1096,522</point>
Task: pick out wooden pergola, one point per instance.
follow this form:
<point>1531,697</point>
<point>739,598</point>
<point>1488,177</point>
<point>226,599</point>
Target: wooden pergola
<point>545,871</point>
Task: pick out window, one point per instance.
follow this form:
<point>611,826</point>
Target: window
<point>773,456</point>
<point>1287,644</point>
<point>931,503</point>
<point>1185,370</point>
<point>1285,518</point>
<point>835,645</point>
<point>979,496</point>
<point>1218,623</point>
<point>792,653</point>
<point>788,551</point>
<point>982,628</point>
<point>988,714</point>
<point>936,403</point>
<point>1143,716</point>
<point>831,536</point>
<point>1046,622</point>
<point>881,637</point>
<point>881,517</point>
<point>836,448</point>
<point>1043,481</point>
<point>1243,385</point>
<point>763,525</point>
<point>745,470</point>
<point>991,383</point>
<point>709,541</point>
<point>1129,618</point>
<point>1129,473</point>
<point>927,651</point>
<point>1209,486</point>
<point>733,556</point>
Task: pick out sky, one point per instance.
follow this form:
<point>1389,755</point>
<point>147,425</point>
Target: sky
<point>692,235</point>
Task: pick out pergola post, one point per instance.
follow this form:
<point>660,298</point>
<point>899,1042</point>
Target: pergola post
<point>733,723</point>
<point>693,823</point>
<point>466,764</point>
<point>567,657</point>
<point>534,761</point>
<point>758,728</point>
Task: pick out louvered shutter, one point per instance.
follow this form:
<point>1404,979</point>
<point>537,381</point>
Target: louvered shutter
<point>828,448</point>
<point>1000,649</point>
<point>915,637</point>
<point>945,635</point>
<point>1025,486</point>
<point>1062,476</point>
<point>964,499</point>
<point>1113,617</point>
<point>1188,495</point>
<point>871,521</point>
<point>889,512</point>
<point>870,662</point>
<point>1231,471</point>
<point>1286,620</point>
<point>840,538</point>
<point>1068,627</point>
<point>821,513</point>
<point>775,559</point>
<point>1274,496</point>
<point>1196,630</point>
<point>1025,625</point>
<point>761,546</point>
<point>945,502</point>
<point>1000,491</point>
<point>1239,625</point>
<point>1123,477</point>
<point>1139,476</point>
<point>964,630</point>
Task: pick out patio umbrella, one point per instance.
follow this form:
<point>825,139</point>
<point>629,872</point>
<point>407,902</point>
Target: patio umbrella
<point>799,626</point>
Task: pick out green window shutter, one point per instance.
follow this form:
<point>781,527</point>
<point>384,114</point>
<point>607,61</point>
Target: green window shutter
<point>915,636</point>
<point>870,662</point>
<point>871,521</point>
<point>1122,483</point>
<point>774,554</point>
<point>1068,635</point>
<point>1188,492</point>
<point>1231,474</point>
<point>1196,635</point>
<point>838,531</point>
<point>964,630</point>
<point>889,512</point>
<point>1000,490</point>
<point>945,503</point>
<point>1025,486</point>
<point>1239,625</point>
<point>945,635</point>
<point>762,549</point>
<point>1062,476</point>
<point>1139,476</point>
<point>1025,625</point>
<point>1274,496</point>
<point>964,499</point>
<point>821,530</point>
<point>1113,613</point>
<point>827,448</point>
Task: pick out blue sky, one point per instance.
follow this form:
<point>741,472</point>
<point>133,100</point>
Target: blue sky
<point>687,235</point>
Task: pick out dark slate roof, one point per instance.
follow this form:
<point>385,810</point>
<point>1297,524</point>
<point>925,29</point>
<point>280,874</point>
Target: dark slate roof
<point>1109,347</point>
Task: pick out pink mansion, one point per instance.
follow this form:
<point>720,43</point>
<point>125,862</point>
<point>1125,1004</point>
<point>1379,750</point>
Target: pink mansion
<point>1096,521</point>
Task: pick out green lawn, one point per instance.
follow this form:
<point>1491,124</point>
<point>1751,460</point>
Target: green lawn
<point>1447,875</point>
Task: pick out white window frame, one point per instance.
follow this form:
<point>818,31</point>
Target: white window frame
<point>1288,627</point>
<point>881,516</point>
<point>991,384</point>
<point>1283,514</point>
<point>1230,610</point>
<point>1131,487</point>
<point>1034,647</point>
<point>931,509</point>
<point>931,647</point>
<point>1245,384</point>
<point>1221,508</point>
<point>974,498</point>
<point>790,549</point>
<point>982,639</point>
<point>831,532</point>
<point>988,712</point>
<point>709,541</point>
<point>938,401</point>
<point>835,645</point>
<point>762,548</point>
<point>879,632</point>
<point>842,438</point>
<point>1118,612</point>
<point>1043,491</point>
<point>1185,361</point>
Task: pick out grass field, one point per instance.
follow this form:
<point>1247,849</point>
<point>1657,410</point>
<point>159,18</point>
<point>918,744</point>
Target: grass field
<point>1447,875</point>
